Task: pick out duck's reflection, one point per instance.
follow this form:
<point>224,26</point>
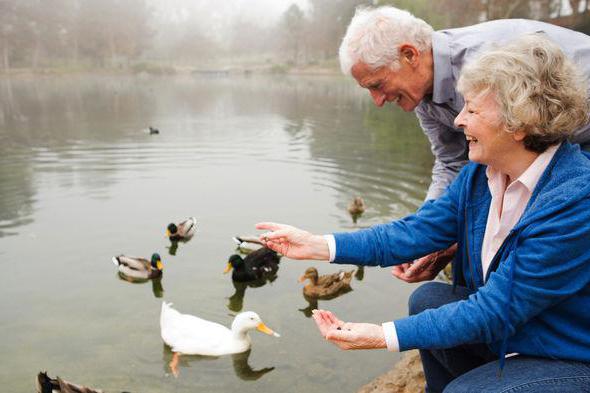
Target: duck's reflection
<point>360,273</point>
<point>242,369</point>
<point>312,302</point>
<point>173,247</point>
<point>236,301</point>
<point>157,288</point>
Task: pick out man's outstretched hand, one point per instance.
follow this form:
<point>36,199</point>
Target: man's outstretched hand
<point>425,268</point>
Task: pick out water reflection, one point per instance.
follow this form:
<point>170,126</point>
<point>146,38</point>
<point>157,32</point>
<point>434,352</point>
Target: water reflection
<point>312,301</point>
<point>243,369</point>
<point>360,273</point>
<point>240,364</point>
<point>236,301</point>
<point>157,288</point>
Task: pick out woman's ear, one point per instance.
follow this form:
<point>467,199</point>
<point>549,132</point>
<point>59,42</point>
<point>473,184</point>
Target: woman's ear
<point>519,135</point>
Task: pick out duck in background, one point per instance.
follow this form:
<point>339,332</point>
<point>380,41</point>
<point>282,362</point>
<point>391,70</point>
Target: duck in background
<point>356,208</point>
<point>247,243</point>
<point>45,384</point>
<point>183,231</point>
<point>139,268</point>
<point>327,286</point>
<point>153,131</point>
<point>189,335</point>
<point>259,264</point>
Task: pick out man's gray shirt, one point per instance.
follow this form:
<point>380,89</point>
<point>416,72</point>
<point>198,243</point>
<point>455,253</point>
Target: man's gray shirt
<point>451,49</point>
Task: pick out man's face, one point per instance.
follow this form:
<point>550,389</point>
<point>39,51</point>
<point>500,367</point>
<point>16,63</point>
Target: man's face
<point>405,86</point>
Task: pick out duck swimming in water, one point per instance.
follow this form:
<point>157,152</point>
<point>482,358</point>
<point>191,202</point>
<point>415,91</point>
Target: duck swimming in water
<point>45,384</point>
<point>183,231</point>
<point>190,335</point>
<point>139,268</point>
<point>261,263</point>
<point>326,286</point>
<point>356,208</point>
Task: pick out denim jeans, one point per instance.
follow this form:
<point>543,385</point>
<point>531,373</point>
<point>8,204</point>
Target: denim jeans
<point>474,368</point>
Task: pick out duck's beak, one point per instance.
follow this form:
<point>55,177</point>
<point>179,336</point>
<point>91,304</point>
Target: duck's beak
<point>159,265</point>
<point>168,233</point>
<point>265,329</point>
<point>227,268</point>
<point>302,278</point>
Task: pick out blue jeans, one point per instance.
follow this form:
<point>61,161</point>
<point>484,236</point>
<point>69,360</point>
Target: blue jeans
<point>474,368</point>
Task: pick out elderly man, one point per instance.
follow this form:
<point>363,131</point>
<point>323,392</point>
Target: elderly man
<point>401,59</point>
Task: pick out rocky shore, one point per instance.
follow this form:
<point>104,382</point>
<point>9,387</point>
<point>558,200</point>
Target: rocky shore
<point>406,376</point>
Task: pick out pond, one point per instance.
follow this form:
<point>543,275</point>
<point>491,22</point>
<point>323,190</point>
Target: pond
<point>82,180</point>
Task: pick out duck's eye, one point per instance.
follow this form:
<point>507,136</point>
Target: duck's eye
<point>252,318</point>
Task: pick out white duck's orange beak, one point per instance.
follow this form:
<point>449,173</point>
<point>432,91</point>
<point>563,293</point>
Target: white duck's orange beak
<point>265,329</point>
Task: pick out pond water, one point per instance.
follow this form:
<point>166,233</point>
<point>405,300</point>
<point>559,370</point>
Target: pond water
<point>81,180</point>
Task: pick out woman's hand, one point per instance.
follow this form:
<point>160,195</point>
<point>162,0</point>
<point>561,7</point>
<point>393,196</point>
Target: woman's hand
<point>293,242</point>
<point>349,335</point>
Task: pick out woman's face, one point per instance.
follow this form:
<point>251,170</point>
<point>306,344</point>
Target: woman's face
<point>486,134</point>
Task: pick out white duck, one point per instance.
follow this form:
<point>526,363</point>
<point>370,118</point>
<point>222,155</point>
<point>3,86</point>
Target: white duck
<point>190,335</point>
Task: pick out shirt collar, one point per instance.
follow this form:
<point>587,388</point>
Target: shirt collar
<point>530,177</point>
<point>443,89</point>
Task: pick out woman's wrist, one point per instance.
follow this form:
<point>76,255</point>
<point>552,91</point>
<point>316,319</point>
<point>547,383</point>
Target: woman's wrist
<point>320,249</point>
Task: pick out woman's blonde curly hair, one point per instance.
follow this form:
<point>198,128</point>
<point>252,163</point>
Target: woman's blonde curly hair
<point>539,90</point>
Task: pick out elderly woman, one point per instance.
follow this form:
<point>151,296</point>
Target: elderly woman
<point>520,213</point>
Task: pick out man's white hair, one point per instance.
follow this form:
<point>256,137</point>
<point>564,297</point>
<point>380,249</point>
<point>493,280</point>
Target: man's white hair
<point>374,36</point>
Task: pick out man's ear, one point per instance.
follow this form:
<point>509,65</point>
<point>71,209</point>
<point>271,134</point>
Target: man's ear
<point>409,53</point>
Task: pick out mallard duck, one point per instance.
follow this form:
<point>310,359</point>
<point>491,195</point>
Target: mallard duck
<point>190,335</point>
<point>183,230</point>
<point>258,264</point>
<point>139,268</point>
<point>326,285</point>
<point>247,244</point>
<point>54,385</point>
<point>357,206</point>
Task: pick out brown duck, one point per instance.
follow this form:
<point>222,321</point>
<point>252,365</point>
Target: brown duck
<point>326,286</point>
<point>356,208</point>
<point>46,384</point>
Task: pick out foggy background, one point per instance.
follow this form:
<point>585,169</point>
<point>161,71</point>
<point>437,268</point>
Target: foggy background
<point>167,36</point>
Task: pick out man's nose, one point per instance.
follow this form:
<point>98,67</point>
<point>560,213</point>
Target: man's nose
<point>378,98</point>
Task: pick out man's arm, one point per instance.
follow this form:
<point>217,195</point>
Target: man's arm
<point>449,148</point>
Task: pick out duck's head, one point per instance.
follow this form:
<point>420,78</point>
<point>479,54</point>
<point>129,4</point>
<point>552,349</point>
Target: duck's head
<point>235,262</point>
<point>310,274</point>
<point>157,261</point>
<point>358,202</point>
<point>250,320</point>
<point>171,229</point>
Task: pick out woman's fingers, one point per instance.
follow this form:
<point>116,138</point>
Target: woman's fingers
<point>271,226</point>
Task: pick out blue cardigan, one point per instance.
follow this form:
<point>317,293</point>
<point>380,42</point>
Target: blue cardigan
<point>535,301</point>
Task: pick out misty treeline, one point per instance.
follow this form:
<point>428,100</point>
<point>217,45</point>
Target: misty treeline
<point>124,33</point>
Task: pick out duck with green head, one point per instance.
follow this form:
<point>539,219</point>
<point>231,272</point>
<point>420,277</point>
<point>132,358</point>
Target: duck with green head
<point>262,263</point>
<point>182,231</point>
<point>139,268</point>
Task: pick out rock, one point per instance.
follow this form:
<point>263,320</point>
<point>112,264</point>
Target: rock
<point>406,376</point>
